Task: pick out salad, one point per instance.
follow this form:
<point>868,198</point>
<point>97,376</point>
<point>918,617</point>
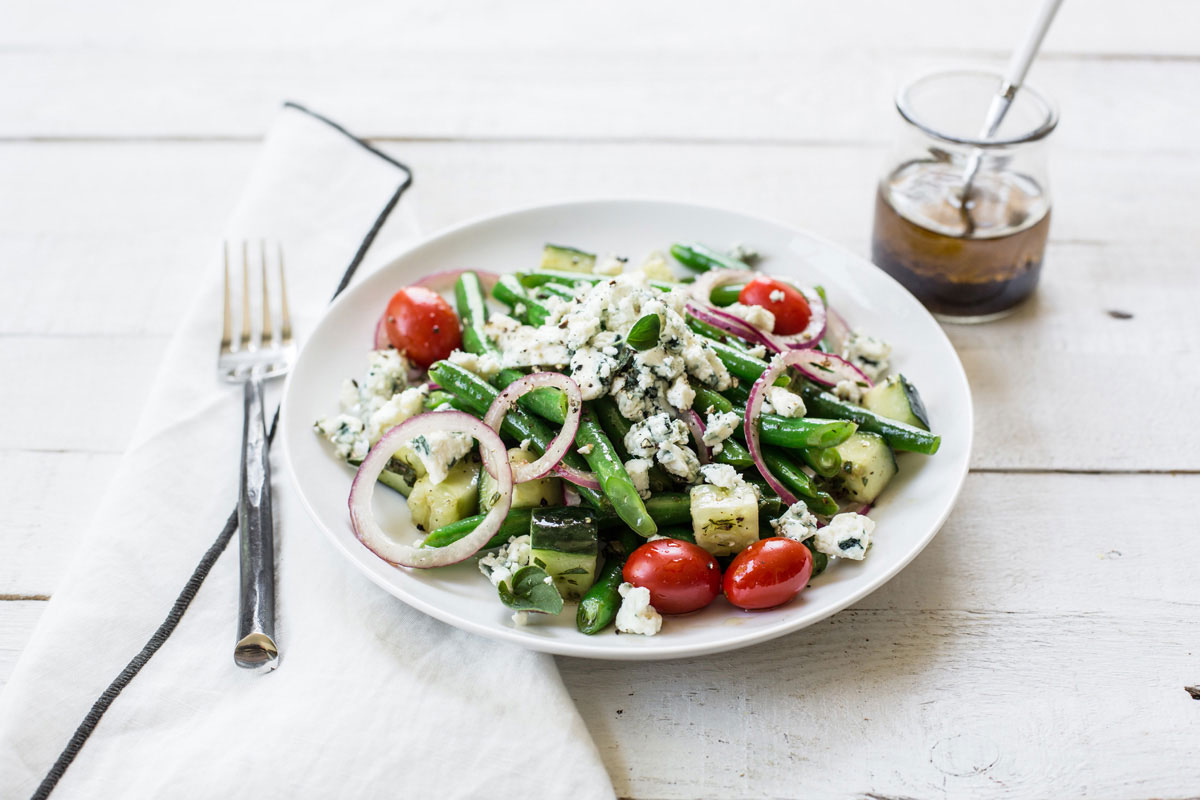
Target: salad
<point>623,438</point>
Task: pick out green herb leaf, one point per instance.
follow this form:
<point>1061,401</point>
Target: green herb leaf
<point>531,590</point>
<point>644,333</point>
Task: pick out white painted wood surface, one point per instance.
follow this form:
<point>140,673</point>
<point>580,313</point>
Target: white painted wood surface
<point>1040,646</point>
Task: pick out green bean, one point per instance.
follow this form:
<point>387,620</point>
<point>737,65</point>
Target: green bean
<point>437,399</point>
<point>600,603</point>
<point>616,426</point>
<point>540,277</point>
<point>725,295</point>
<point>508,290</point>
<point>825,461</point>
<point>796,432</point>
<point>733,453</point>
<point>558,290</point>
<point>515,524</point>
<point>477,395</point>
<point>706,398</point>
<point>699,258</point>
<point>546,401</point>
<point>740,364</point>
<point>820,560</point>
<point>791,476</point>
<point>614,480</point>
<point>898,435</point>
<point>472,310</point>
<point>739,394</point>
<point>704,329</point>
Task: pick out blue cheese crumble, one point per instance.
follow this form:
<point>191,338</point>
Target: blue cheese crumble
<point>796,523</point>
<point>636,615</point>
<point>778,400</point>
<point>867,353</point>
<point>666,441</point>
<point>759,317</point>
<point>500,566</point>
<point>846,536</point>
<point>639,473</point>
<point>719,427</point>
<point>372,406</point>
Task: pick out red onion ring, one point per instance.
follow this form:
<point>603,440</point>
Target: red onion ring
<point>827,368</point>
<point>443,280</point>
<point>836,331</point>
<point>381,341</point>
<point>696,426</point>
<point>561,443</point>
<point>585,480</point>
<point>702,296</point>
<point>362,518</point>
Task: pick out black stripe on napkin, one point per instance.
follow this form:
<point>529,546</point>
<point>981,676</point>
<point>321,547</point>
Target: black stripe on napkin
<point>164,631</point>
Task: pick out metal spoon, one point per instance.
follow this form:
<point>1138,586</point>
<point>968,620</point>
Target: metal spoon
<point>1014,76</point>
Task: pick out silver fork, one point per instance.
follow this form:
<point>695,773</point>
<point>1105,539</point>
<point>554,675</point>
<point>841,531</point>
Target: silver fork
<point>252,358</point>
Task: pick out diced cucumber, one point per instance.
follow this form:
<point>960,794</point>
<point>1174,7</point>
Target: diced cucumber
<point>433,505</point>
<point>531,494</point>
<point>724,521</point>
<point>396,481</point>
<point>867,467</point>
<point>896,398</point>
<point>567,259</point>
<point>565,542</point>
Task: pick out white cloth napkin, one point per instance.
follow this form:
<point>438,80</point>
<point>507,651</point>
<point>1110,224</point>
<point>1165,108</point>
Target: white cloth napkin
<point>371,698</point>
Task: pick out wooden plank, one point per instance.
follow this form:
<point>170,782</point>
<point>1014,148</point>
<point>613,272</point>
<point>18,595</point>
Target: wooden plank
<point>1004,661</point>
<point>76,394</point>
<point>1099,27</point>
<point>567,88</point>
<point>17,620</point>
<point>121,268</point>
<point>981,662</point>
<point>50,500</point>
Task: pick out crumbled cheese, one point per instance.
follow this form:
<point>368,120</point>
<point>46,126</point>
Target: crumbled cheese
<point>777,296</point>
<point>744,253</point>
<point>407,404</point>
<point>639,473</point>
<point>796,523</point>
<point>370,407</point>
<point>846,536</point>
<point>721,475</point>
<point>758,351</point>
<point>500,566</point>
<point>720,427</point>
<point>586,450</point>
<point>784,403</point>
<point>440,451</point>
<point>849,391</point>
<point>636,615</point>
<point>867,353</point>
<point>586,335</point>
<point>644,437</point>
<point>485,366</point>
<point>347,434</point>
<point>681,462</point>
<point>521,618</point>
<point>759,317</point>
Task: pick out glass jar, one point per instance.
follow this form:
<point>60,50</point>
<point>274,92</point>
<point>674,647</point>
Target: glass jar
<point>961,220</point>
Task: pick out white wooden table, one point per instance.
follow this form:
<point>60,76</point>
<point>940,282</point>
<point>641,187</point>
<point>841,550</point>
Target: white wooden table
<point>1040,647</point>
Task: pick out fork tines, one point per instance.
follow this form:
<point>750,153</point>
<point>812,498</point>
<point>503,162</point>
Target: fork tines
<point>257,349</point>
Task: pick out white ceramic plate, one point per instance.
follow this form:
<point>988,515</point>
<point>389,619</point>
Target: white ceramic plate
<point>909,514</point>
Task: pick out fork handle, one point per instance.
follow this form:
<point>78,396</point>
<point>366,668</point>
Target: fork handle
<point>256,648</point>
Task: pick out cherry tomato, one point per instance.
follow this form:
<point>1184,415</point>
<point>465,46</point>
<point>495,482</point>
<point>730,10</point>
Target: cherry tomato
<point>768,573</point>
<point>681,576</point>
<point>422,325</point>
<point>791,312</point>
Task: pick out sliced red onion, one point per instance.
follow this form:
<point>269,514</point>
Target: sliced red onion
<point>362,517</point>
<point>585,480</point>
<point>731,323</point>
<point>808,362</point>
<point>836,331</point>
<point>381,341</point>
<point>570,496</point>
<point>566,436</point>
<point>696,426</point>
<point>827,368</point>
<point>444,280</point>
<point>702,292</point>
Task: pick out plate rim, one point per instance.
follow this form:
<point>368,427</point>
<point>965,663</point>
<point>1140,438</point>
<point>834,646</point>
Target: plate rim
<point>662,650</point>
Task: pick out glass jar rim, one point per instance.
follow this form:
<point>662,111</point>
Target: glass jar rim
<point>1048,109</point>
